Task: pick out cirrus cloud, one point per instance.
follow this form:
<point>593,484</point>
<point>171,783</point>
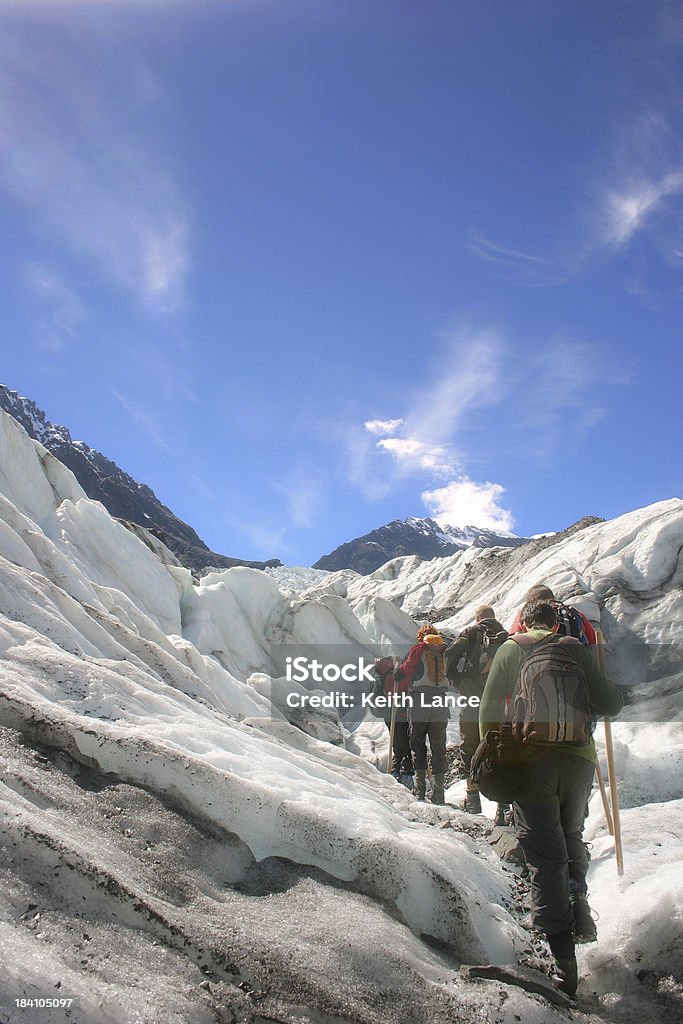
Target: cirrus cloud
<point>77,153</point>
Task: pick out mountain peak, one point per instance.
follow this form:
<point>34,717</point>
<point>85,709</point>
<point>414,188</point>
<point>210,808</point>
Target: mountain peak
<point>412,536</point>
<point>33,420</point>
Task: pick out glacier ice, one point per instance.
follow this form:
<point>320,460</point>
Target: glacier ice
<point>156,798</point>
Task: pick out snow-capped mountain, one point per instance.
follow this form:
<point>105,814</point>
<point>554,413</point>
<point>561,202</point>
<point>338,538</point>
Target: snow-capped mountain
<point>122,496</point>
<point>412,536</point>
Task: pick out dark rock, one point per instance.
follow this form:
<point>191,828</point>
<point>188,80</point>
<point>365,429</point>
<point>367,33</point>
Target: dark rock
<point>523,977</point>
<point>506,844</point>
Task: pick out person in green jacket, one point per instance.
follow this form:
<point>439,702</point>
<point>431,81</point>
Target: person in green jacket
<point>550,805</point>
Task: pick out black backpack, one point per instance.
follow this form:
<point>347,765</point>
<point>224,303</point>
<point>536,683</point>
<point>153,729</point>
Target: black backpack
<point>569,622</point>
<point>483,643</point>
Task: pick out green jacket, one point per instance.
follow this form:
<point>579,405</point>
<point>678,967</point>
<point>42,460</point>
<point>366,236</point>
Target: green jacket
<point>606,699</point>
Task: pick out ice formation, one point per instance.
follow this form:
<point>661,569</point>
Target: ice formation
<point>176,849</point>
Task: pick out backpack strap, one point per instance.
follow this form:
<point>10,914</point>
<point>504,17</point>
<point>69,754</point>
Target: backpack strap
<point>527,642</point>
<point>474,637</point>
<point>523,640</point>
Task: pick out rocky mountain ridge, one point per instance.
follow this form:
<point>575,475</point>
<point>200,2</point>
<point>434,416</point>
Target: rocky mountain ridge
<point>122,496</point>
<point>413,536</point>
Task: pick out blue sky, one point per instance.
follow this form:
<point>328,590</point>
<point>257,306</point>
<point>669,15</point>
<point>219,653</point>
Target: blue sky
<point>308,266</point>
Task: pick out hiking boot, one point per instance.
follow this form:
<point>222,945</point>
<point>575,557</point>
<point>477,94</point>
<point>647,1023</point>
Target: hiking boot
<point>472,803</point>
<point>501,815</point>
<point>407,779</point>
<point>566,976</point>
<point>395,774</point>
<point>420,786</point>
<point>584,925</point>
<point>438,787</point>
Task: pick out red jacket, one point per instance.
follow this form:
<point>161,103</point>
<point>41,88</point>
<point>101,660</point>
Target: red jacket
<point>385,668</point>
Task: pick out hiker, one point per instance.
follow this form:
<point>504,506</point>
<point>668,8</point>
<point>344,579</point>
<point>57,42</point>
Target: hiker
<point>468,661</point>
<point>401,754</point>
<point>551,802</point>
<point>571,622</point>
<point>424,670</point>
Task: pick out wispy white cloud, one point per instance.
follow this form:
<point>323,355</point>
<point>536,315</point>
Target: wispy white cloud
<point>566,386</point>
<point>477,386</point>
<point>637,182</point>
<point>518,265</point>
<point>628,208</point>
<point>78,153</point>
<point>269,538</point>
<point>631,188</point>
<point>412,454</point>
<point>59,309</point>
<point>489,250</point>
<point>304,495</point>
<point>465,503</point>
<point>464,376</point>
<point>382,427</point>
<point>143,420</point>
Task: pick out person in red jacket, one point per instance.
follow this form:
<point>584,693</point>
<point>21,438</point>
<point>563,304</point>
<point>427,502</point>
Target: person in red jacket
<point>425,670</point>
<point>571,622</point>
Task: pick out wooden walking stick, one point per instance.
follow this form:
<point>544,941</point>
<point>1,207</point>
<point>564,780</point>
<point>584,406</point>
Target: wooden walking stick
<point>611,773</point>
<point>392,728</point>
<point>605,801</point>
<point>597,650</point>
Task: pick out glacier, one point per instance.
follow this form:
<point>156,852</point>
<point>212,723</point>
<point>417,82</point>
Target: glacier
<point>178,847</point>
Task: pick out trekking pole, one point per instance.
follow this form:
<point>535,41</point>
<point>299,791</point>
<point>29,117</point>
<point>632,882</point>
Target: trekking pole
<point>598,770</point>
<point>605,801</point>
<point>392,728</point>
<point>611,773</point>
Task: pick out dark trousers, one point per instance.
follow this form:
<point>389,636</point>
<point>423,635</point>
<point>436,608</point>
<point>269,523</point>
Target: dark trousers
<point>436,731</point>
<point>550,808</point>
<point>401,755</point>
<point>469,740</point>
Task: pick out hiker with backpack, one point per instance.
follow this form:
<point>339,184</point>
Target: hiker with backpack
<point>401,755</point>
<point>425,672</point>
<point>546,689</point>
<point>570,621</point>
<point>468,661</point>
